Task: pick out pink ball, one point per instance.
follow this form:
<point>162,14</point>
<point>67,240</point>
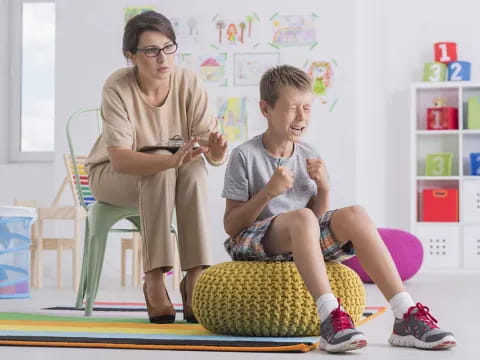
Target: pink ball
<point>406,251</point>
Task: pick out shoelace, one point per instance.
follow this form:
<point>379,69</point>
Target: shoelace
<point>422,313</point>
<point>340,319</point>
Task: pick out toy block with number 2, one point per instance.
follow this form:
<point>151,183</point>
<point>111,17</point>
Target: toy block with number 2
<point>474,164</point>
<point>435,72</point>
<point>445,52</point>
<point>459,71</point>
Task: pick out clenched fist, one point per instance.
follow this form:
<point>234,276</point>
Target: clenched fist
<point>281,181</point>
<point>318,172</point>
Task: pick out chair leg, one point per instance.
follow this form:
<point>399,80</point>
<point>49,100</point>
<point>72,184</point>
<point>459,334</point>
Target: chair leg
<point>59,262</point>
<point>101,218</point>
<point>82,286</point>
<point>33,266</point>
<point>76,251</point>
<point>39,254</point>
<point>123,260</point>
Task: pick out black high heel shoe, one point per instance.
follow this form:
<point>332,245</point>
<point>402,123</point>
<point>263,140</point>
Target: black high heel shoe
<point>188,315</point>
<point>159,313</point>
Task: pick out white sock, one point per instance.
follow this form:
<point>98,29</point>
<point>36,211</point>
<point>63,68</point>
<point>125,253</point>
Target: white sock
<point>400,304</point>
<point>325,305</point>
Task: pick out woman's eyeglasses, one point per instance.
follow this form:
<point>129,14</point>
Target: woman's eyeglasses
<point>155,51</point>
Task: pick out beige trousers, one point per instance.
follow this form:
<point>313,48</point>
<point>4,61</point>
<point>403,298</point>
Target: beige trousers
<point>156,196</point>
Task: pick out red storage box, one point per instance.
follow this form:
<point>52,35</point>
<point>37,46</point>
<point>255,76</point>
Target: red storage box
<point>442,118</point>
<point>440,205</point>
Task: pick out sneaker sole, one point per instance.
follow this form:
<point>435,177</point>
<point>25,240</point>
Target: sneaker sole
<point>410,341</point>
<point>354,343</point>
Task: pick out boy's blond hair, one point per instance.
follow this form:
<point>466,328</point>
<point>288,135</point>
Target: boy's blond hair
<point>284,75</point>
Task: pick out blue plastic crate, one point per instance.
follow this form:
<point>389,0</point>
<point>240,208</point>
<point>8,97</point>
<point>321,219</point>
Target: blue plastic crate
<point>15,223</point>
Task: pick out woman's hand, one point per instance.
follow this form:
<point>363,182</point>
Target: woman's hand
<point>186,153</point>
<point>216,146</point>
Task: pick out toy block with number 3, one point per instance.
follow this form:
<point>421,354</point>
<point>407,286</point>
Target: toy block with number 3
<point>435,72</point>
<point>445,52</point>
<point>439,164</point>
<point>459,71</point>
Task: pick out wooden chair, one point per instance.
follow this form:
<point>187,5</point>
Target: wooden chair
<point>40,242</point>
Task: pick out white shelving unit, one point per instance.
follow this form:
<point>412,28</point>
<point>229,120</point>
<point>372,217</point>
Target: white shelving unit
<point>447,245</point>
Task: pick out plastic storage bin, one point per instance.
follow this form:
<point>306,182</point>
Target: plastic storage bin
<point>440,205</point>
<point>15,223</point>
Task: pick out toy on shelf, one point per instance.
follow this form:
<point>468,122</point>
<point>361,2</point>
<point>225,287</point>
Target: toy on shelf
<point>440,205</point>
<point>446,65</point>
<point>442,117</point>
<point>439,164</point>
<point>434,71</point>
<point>475,164</point>
<point>473,112</point>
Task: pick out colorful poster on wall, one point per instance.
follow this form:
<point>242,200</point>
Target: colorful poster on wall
<point>237,32</point>
<point>232,118</point>
<point>212,68</point>
<point>187,60</point>
<point>135,10</point>
<point>294,30</point>
<point>322,73</point>
<point>249,67</point>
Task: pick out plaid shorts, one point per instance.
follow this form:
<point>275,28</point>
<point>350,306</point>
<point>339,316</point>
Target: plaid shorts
<point>247,245</point>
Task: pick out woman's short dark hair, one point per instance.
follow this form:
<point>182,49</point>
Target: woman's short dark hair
<point>149,20</point>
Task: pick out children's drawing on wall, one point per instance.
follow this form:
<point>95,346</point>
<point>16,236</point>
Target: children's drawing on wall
<point>294,30</point>
<point>321,73</point>
<point>235,32</point>
<point>249,67</point>
<point>186,30</point>
<point>212,68</point>
<point>187,60</point>
<point>232,118</point>
<point>130,12</point>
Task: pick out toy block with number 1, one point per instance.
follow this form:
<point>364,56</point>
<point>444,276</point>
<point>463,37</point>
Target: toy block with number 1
<point>445,52</point>
<point>459,71</point>
<point>442,118</point>
<point>435,71</point>
<point>473,113</point>
<point>439,164</point>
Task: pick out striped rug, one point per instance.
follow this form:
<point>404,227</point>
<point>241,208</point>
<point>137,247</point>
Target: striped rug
<point>135,332</point>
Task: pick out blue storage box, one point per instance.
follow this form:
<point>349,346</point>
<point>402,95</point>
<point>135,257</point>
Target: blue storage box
<point>474,163</point>
<point>15,223</point>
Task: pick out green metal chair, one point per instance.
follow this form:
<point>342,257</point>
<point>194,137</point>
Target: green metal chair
<point>99,221</point>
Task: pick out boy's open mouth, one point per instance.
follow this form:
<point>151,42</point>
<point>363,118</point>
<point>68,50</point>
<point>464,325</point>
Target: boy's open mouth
<point>297,129</point>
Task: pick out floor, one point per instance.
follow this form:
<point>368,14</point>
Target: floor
<point>453,299</point>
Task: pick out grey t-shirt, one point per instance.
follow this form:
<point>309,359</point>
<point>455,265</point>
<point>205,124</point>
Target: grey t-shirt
<point>250,168</point>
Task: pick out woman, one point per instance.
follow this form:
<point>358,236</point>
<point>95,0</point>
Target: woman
<point>146,105</point>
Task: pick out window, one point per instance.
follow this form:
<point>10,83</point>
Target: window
<point>33,80</point>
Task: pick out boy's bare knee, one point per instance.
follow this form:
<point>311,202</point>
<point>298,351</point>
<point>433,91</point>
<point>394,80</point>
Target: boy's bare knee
<point>304,220</point>
<point>356,213</point>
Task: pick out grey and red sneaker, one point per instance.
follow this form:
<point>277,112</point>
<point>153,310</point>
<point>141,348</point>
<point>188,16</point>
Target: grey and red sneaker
<point>338,334</point>
<point>418,329</point>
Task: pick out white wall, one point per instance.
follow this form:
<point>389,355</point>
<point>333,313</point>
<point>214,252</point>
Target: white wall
<point>396,39</point>
<point>89,49</point>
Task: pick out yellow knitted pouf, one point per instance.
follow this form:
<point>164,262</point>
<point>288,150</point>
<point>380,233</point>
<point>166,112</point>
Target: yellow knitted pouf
<point>251,298</point>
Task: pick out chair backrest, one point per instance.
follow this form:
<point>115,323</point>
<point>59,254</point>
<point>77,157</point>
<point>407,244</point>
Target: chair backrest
<point>76,163</point>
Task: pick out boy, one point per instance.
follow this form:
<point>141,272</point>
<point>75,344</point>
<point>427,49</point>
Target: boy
<point>277,208</point>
